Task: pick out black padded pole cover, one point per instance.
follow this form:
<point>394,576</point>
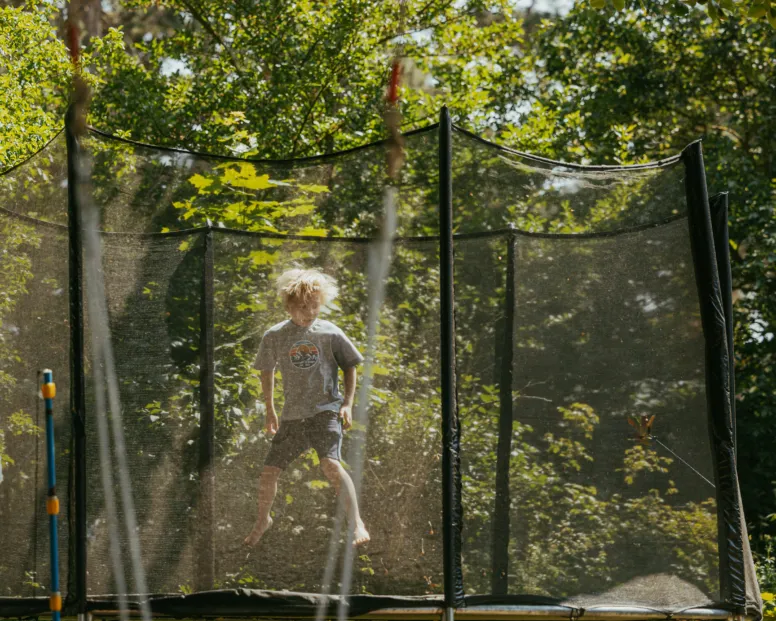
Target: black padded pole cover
<point>730,536</point>
<point>451,474</point>
<point>719,223</point>
<point>75,602</point>
<point>206,503</point>
<point>719,205</point>
<point>500,577</point>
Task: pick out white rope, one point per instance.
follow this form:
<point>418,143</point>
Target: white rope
<point>93,278</point>
<point>104,373</point>
<point>380,253</point>
<point>379,262</point>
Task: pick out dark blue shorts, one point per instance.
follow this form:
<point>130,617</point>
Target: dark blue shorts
<point>323,432</point>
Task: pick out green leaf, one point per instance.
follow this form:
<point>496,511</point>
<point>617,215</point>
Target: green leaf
<point>234,211</point>
<point>315,189</point>
<point>244,176</point>
<point>313,232</point>
<point>200,182</point>
<point>301,210</point>
<point>262,257</point>
<point>756,11</point>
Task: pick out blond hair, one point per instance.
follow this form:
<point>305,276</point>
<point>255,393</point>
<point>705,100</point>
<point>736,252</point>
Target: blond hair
<point>303,284</point>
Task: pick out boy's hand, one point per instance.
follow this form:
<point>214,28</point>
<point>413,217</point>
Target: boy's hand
<point>346,414</point>
<point>271,423</point>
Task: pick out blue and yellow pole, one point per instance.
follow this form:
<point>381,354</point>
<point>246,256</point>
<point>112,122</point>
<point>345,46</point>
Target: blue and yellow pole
<point>49,391</point>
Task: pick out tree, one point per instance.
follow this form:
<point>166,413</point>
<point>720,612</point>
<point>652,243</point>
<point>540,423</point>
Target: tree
<point>34,80</point>
<point>299,79</point>
<point>649,84</point>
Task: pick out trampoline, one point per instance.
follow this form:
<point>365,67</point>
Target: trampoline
<point>551,424</point>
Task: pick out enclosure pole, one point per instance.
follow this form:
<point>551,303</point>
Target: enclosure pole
<point>729,524</point>
<point>206,504</point>
<point>77,515</point>
<point>49,391</point>
<point>451,489</point>
<point>500,577</point>
<point>719,224</point>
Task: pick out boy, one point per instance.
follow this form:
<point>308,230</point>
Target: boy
<point>309,352</point>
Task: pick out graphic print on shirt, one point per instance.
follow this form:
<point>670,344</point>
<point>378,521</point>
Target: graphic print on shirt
<point>304,354</point>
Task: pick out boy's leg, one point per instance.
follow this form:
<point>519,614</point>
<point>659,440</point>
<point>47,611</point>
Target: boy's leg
<point>324,433</point>
<point>287,445</point>
<point>268,488</point>
<point>343,484</point>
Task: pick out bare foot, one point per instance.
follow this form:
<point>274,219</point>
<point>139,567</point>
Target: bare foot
<point>259,529</point>
<point>360,536</point>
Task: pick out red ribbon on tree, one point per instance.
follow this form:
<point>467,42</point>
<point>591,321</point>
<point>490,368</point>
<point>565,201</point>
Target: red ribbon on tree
<point>72,39</point>
<point>80,94</point>
<point>395,154</point>
<point>392,96</point>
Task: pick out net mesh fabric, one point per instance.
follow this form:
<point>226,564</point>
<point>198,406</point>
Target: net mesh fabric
<point>604,329</point>
<point>401,495</point>
<point>33,335</point>
<point>606,333</point>
<point>146,190</point>
<point>598,515</point>
<point>495,187</point>
<point>155,293</point>
<point>152,287</point>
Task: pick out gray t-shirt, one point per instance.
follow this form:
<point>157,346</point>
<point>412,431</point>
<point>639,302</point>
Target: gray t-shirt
<point>309,360</point>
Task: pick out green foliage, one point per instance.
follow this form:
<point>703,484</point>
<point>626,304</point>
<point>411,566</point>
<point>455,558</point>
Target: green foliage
<point>766,576</point>
<point>302,78</point>
<point>560,523</point>
<point>34,77</point>
<point>670,79</point>
<point>232,198</point>
<point>17,239</point>
<point>36,74</point>
<point>717,10</point>
<point>21,423</point>
<point>639,459</point>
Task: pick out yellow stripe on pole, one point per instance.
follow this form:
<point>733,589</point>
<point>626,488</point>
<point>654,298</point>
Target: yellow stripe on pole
<point>55,602</point>
<point>52,505</point>
<point>49,390</point>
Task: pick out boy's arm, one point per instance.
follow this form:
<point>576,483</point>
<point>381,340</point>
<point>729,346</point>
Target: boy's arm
<point>346,411</point>
<point>268,390</point>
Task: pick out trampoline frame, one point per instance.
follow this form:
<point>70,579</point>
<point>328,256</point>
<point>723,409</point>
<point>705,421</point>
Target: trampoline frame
<point>507,612</point>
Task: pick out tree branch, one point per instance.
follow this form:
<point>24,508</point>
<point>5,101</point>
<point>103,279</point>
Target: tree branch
<point>421,27</point>
<point>202,20</point>
<point>332,75</point>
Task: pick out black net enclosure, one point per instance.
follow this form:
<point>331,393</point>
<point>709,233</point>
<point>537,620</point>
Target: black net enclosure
<point>544,422</point>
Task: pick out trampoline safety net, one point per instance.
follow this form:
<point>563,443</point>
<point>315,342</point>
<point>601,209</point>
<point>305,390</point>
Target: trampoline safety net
<point>587,461</point>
